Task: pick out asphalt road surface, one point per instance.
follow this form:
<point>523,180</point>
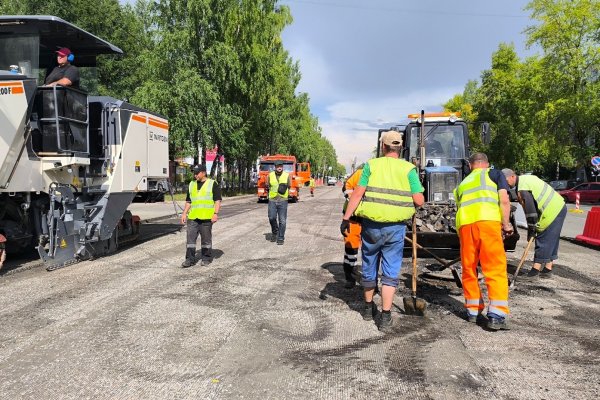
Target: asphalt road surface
<point>275,322</point>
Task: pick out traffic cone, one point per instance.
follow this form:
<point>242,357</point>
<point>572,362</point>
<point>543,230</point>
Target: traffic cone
<point>591,230</point>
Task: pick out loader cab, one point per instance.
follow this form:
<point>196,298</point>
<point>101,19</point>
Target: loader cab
<point>445,143</point>
<point>58,116</point>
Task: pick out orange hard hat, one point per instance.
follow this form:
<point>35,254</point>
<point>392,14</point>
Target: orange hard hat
<point>2,238</point>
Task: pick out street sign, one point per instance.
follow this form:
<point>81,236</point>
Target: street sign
<point>596,161</point>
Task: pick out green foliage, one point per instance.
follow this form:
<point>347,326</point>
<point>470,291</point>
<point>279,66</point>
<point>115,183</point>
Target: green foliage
<point>545,108</point>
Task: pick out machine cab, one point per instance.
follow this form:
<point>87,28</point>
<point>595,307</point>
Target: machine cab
<point>58,115</point>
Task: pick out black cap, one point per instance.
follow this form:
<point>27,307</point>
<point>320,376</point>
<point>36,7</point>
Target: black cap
<point>278,163</point>
<point>199,168</point>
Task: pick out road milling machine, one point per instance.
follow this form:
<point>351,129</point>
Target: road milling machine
<point>70,163</point>
<point>438,144</point>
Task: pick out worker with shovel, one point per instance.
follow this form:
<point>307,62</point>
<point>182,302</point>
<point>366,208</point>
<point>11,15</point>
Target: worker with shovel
<point>483,216</point>
<point>386,196</point>
<point>545,211</point>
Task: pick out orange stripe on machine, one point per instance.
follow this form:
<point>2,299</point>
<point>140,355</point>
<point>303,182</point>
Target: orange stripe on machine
<point>158,123</point>
<point>139,118</point>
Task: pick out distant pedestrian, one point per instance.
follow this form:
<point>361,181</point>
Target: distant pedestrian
<point>545,211</point>
<point>278,186</point>
<point>203,202</point>
<point>483,216</point>
<point>386,196</point>
<point>2,250</point>
<point>312,186</point>
<point>352,238</point>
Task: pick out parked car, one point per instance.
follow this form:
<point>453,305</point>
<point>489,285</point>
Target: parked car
<point>563,184</point>
<point>332,181</point>
<point>589,192</point>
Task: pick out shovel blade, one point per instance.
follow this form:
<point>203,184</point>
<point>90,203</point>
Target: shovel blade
<point>414,306</point>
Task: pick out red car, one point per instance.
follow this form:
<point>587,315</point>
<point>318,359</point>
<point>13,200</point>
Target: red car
<point>589,192</point>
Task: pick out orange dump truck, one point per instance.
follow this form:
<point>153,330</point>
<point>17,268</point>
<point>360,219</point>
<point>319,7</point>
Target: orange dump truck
<point>299,172</point>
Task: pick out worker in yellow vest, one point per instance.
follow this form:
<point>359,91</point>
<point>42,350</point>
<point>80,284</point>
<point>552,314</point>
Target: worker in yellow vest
<point>385,197</point>
<point>483,215</point>
<point>312,186</point>
<point>201,211</point>
<point>278,186</point>
<point>545,211</point>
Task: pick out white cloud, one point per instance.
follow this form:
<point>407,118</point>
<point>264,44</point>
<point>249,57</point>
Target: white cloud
<point>316,73</point>
<point>352,126</point>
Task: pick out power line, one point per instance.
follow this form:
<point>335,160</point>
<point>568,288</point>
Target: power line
<point>401,10</point>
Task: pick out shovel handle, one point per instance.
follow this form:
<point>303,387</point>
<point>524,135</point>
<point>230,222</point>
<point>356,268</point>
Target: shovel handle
<point>522,261</point>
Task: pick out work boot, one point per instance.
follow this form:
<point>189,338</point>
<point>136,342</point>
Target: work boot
<point>496,323</point>
<point>546,273</point>
<point>279,241</point>
<point>273,237</point>
<point>532,276</point>
<point>385,322</point>
<point>187,263</point>
<point>473,318</point>
<point>369,311</point>
<point>350,283</point>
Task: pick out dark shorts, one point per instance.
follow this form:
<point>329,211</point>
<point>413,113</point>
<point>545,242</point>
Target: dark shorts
<point>546,243</point>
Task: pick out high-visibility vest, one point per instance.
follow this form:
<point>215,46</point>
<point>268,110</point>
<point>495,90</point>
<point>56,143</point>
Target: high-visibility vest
<point>312,182</point>
<point>203,205</point>
<point>477,199</point>
<point>274,184</point>
<point>549,203</point>
<point>387,197</point>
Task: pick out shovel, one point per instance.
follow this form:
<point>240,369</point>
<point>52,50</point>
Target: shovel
<point>412,304</point>
<point>523,257</point>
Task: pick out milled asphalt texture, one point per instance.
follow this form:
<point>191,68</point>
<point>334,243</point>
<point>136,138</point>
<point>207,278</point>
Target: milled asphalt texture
<point>275,322</point>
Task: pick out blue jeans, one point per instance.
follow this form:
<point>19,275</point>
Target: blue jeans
<point>546,242</point>
<point>278,210</point>
<point>383,241</point>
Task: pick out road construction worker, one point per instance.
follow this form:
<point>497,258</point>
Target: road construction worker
<point>278,186</point>
<point>201,211</point>
<point>352,238</point>
<point>483,216</point>
<point>2,250</point>
<point>64,74</point>
<point>386,196</point>
<point>545,211</point>
<point>311,184</point>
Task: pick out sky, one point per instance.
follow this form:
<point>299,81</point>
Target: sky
<point>367,64</point>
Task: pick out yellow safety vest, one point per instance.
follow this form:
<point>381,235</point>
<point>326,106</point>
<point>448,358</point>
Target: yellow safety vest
<point>203,205</point>
<point>549,203</point>
<point>274,184</point>
<point>388,197</point>
<point>312,182</point>
<point>477,199</point>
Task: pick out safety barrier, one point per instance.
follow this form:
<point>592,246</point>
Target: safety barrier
<point>591,230</point>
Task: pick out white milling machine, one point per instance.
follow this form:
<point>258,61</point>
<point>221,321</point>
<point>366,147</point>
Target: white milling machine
<point>70,164</point>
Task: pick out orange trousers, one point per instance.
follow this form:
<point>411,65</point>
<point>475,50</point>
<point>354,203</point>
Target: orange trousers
<point>352,239</point>
<point>481,243</point>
